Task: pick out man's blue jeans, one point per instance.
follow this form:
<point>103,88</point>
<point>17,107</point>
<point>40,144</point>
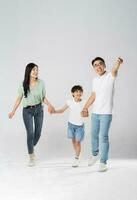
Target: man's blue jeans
<point>99,135</point>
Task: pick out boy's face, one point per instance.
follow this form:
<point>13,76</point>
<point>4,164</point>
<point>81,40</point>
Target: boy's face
<point>77,94</point>
<point>99,67</point>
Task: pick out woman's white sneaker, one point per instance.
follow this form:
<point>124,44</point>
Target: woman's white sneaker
<point>32,160</point>
<point>31,163</point>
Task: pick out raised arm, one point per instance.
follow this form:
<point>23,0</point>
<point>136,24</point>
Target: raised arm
<point>16,105</point>
<point>61,110</point>
<point>116,66</point>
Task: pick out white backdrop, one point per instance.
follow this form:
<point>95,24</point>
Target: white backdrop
<point>62,37</point>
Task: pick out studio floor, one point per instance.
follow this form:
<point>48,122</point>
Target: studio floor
<point>57,180</point>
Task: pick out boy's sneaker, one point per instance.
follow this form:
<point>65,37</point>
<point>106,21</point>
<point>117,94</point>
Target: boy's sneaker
<point>75,162</point>
<point>102,167</point>
<point>93,160</point>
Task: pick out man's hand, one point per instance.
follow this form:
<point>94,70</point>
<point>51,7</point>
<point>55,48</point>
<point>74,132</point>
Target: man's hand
<point>116,66</point>
<point>120,60</point>
<point>84,113</point>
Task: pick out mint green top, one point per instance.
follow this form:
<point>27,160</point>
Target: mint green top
<point>34,96</point>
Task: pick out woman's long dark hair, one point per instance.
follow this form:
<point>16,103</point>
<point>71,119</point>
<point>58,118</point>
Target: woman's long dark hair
<point>26,81</point>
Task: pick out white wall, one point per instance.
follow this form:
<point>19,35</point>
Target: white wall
<point>62,37</point>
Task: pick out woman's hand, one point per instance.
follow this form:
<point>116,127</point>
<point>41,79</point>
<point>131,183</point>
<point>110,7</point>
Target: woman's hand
<point>11,114</point>
<point>16,105</point>
<point>51,109</point>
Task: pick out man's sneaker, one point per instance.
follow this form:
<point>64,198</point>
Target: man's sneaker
<point>75,162</point>
<point>93,160</point>
<point>102,167</point>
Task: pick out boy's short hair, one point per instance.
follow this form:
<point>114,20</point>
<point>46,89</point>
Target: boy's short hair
<point>76,88</point>
<point>97,58</point>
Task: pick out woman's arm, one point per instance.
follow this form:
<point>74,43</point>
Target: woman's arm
<point>51,108</point>
<point>16,105</point>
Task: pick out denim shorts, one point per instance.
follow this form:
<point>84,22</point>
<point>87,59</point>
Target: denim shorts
<point>75,132</point>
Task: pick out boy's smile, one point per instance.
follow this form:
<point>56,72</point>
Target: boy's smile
<point>77,95</point>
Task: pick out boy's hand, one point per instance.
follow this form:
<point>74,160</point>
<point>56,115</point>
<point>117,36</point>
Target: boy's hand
<point>84,113</point>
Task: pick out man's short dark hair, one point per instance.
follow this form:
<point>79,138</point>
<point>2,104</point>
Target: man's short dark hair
<point>76,88</point>
<point>97,58</point>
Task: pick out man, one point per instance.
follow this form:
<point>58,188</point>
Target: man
<point>102,97</point>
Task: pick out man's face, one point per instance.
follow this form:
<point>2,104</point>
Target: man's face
<point>99,67</point>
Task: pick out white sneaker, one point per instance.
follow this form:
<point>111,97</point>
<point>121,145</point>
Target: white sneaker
<point>75,162</point>
<point>102,167</point>
<point>31,163</point>
<point>93,160</point>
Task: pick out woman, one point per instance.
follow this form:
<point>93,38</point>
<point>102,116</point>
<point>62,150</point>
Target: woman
<point>32,93</point>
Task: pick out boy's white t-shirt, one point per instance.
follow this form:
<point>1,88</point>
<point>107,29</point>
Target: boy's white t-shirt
<point>75,111</point>
<point>103,87</point>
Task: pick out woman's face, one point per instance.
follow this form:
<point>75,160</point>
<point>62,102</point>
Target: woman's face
<point>34,72</point>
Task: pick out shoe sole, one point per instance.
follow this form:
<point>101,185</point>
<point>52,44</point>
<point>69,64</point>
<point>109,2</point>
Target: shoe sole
<point>104,170</point>
<point>31,165</point>
<point>75,166</point>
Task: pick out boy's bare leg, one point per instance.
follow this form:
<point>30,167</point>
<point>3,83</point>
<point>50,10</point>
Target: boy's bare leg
<point>77,147</point>
<point>74,145</point>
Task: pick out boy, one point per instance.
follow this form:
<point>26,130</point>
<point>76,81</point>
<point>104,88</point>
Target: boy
<point>75,121</point>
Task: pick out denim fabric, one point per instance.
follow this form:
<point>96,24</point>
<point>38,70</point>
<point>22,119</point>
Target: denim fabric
<point>75,131</point>
<point>99,135</point>
<point>33,120</point>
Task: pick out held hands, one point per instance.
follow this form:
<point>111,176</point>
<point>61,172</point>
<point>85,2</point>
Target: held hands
<point>84,113</point>
<point>51,109</point>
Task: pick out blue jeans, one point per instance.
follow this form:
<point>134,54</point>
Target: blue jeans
<point>76,131</point>
<point>99,135</point>
<point>33,120</point>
